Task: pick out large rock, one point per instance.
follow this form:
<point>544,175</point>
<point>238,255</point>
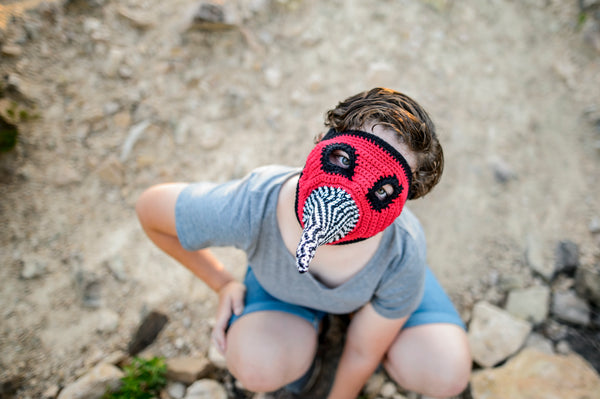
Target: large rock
<point>187,369</point>
<point>94,384</point>
<point>530,304</point>
<point>536,375</point>
<point>495,334</point>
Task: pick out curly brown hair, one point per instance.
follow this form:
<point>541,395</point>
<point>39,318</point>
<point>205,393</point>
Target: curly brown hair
<point>408,119</point>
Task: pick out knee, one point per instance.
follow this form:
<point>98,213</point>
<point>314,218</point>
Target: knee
<point>450,378</point>
<point>256,373</point>
<point>441,376</point>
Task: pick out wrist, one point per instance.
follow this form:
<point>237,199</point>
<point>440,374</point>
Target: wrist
<point>227,281</point>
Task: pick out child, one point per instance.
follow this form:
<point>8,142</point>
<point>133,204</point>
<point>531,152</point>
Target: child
<point>330,238</point>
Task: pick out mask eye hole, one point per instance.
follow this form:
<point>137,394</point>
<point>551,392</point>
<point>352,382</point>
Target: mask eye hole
<point>339,159</point>
<point>384,192</point>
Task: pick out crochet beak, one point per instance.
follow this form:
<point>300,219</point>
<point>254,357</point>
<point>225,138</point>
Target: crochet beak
<point>329,214</point>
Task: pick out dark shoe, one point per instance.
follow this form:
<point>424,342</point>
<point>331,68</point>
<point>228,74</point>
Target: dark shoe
<point>304,383</point>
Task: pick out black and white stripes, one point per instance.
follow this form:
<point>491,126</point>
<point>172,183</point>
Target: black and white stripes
<point>329,214</point>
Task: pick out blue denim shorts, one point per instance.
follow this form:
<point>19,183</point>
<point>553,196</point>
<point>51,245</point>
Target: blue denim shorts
<point>435,307</point>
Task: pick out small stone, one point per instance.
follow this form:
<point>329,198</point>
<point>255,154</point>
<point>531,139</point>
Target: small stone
<point>23,90</point>
<point>388,390</point>
<point>535,259</point>
<point>215,357</point>
<point>125,72</point>
<point>137,20</point>
<point>176,390</point>
<point>555,331</point>
<point>212,17</point>
<point>594,225</point>
<point>206,389</point>
<point>91,25</point>
<point>12,50</point>
<point>566,306</point>
<point>530,304</point>
<point>187,369</point>
<point>495,334</point>
<point>539,342</point>
<point>90,288</point>
<point>65,175</point>
<point>503,172</point>
<point>95,383</point>
<point>111,108</point>
<point>32,268</point>
<point>116,358</point>
<point>273,77</point>
<point>563,348</point>
<point>587,283</point>
<point>567,257</point>
<point>116,267</point>
<point>113,62</point>
<point>51,392</point>
<point>374,385</point>
<point>536,375</point>
<point>107,322</point>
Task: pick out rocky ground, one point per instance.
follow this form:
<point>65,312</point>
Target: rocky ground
<point>112,97</point>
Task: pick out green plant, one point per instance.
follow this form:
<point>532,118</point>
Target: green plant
<point>8,135</point>
<point>144,378</point>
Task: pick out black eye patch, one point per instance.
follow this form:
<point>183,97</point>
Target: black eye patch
<point>378,204</point>
<point>331,168</point>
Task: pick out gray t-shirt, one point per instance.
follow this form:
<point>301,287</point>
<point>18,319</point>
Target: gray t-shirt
<point>242,213</point>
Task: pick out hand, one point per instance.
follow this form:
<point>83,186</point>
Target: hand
<point>231,301</point>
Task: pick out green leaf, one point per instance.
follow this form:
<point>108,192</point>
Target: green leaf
<point>8,135</point>
<point>144,378</point>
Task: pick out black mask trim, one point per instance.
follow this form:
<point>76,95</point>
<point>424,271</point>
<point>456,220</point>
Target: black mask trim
<point>331,168</point>
<point>331,133</point>
<point>378,204</point>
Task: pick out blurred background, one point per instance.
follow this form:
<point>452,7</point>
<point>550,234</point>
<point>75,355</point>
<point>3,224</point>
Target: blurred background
<point>100,99</point>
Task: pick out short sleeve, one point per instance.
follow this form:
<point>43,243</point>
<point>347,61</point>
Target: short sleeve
<point>401,288</point>
<point>211,215</point>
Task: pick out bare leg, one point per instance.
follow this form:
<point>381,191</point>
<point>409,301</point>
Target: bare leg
<point>269,349</point>
<point>431,359</point>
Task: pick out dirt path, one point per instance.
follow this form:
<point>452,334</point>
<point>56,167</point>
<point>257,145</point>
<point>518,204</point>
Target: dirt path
<point>128,96</point>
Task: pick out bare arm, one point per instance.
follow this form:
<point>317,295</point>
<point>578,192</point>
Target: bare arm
<point>156,211</point>
<point>369,337</point>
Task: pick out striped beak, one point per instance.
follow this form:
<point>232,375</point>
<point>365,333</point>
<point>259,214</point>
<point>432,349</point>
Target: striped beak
<point>329,214</point>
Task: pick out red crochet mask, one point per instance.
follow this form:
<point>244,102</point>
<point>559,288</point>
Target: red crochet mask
<point>338,204</point>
